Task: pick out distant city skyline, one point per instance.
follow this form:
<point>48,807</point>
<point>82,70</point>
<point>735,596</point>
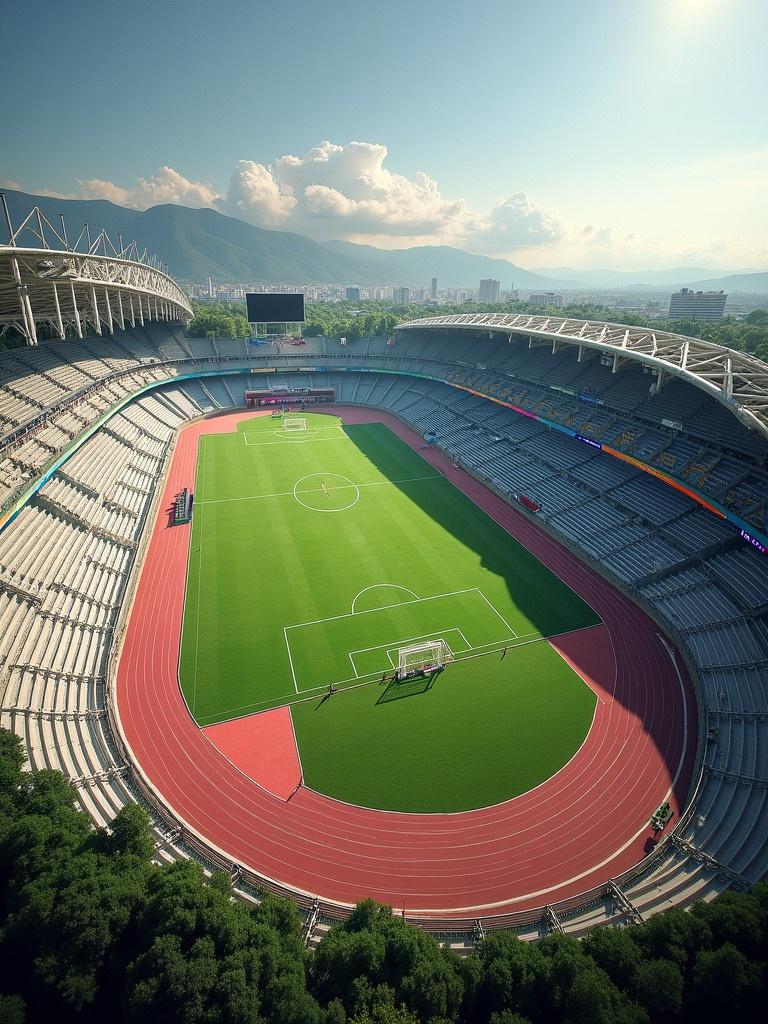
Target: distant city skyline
<point>581,133</point>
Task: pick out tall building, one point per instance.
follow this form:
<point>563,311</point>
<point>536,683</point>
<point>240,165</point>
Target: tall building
<point>352,294</point>
<point>690,305</point>
<point>546,299</point>
<point>489,290</point>
<point>401,295</point>
<point>433,292</point>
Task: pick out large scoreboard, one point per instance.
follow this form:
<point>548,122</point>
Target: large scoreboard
<point>275,307</point>
<point>281,397</point>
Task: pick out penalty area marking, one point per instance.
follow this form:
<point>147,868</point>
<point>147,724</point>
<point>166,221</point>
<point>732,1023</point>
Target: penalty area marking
<point>523,640</point>
<point>393,646</point>
<point>295,437</point>
<point>307,434</point>
<point>375,586</point>
<point>470,650</point>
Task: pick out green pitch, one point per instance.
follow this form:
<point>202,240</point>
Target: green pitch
<point>314,557</point>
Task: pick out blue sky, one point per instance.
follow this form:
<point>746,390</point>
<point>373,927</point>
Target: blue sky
<point>625,133</point>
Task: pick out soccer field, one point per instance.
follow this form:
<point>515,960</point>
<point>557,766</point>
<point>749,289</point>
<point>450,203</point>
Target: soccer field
<point>314,557</point>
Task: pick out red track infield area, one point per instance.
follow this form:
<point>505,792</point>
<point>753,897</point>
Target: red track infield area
<point>586,824</point>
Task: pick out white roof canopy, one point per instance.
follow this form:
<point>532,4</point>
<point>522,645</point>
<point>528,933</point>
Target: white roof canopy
<point>738,380</point>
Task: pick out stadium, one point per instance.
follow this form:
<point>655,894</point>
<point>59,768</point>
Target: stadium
<point>472,619</point>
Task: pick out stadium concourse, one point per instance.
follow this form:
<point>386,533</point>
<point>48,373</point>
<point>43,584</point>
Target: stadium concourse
<point>89,450</point>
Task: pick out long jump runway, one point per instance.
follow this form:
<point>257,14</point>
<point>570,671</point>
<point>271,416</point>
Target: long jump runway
<point>585,825</point>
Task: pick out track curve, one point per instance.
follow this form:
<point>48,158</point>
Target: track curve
<point>585,825</point>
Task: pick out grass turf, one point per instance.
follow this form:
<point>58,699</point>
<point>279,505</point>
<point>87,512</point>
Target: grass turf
<point>484,732</point>
<point>290,532</point>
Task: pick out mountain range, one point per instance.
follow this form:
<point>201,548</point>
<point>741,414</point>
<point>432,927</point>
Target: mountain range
<point>661,280</point>
<point>199,243</point>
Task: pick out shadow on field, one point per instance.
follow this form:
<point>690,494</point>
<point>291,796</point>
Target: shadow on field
<point>550,605</point>
<point>399,688</point>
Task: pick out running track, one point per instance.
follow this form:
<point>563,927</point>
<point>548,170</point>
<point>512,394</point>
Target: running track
<point>575,831</point>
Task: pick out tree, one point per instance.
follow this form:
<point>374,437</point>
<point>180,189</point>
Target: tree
<point>727,985</point>
<point>674,935</point>
<point>12,1010</point>
<point>580,991</point>
<point>616,952</point>
<point>515,975</point>
<point>12,779</point>
<point>507,1017</point>
<point>129,833</point>
<point>737,918</point>
<point>658,986</point>
<point>433,988</point>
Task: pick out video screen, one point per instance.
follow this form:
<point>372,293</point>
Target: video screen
<point>266,308</point>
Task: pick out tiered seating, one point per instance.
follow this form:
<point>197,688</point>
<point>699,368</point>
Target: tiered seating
<point>745,573</point>
<point>64,567</point>
<point>63,563</point>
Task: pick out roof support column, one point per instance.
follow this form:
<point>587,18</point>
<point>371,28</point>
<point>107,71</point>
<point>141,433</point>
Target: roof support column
<point>96,314</point>
<point>78,324</point>
<point>110,321</point>
<point>59,321</point>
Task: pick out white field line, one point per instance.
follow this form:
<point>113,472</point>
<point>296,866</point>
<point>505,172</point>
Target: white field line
<point>199,575</point>
<point>394,650</point>
<point>290,660</point>
<point>368,611</point>
<point>272,432</point>
<point>394,645</point>
<point>684,749</point>
<point>271,702</point>
<point>312,490</point>
<point>299,440</point>
<point>497,612</point>
<point>375,586</point>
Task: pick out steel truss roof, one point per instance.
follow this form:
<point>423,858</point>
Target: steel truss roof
<point>737,380</point>
<point>88,287</point>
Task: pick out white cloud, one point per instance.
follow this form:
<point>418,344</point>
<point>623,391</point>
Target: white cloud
<point>346,192</point>
<point>254,195</point>
<point>599,247</point>
<point>165,186</point>
<point>343,190</point>
<point>519,222</point>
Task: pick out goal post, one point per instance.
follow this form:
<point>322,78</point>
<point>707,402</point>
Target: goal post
<point>425,657</point>
<point>294,423</point>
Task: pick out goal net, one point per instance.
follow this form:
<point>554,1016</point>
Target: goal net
<point>294,423</point>
<point>426,657</point>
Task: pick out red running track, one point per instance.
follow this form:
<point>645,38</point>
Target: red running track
<point>583,826</point>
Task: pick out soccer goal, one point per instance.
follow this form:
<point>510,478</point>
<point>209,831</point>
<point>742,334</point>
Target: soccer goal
<point>294,423</point>
<point>422,658</point>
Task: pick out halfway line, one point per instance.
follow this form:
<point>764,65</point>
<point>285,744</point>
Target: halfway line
<point>312,490</point>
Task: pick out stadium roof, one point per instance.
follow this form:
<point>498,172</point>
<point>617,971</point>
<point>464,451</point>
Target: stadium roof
<point>91,287</point>
<point>738,380</point>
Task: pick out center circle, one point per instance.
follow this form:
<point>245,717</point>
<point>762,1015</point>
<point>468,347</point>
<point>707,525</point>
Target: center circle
<point>326,492</point>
